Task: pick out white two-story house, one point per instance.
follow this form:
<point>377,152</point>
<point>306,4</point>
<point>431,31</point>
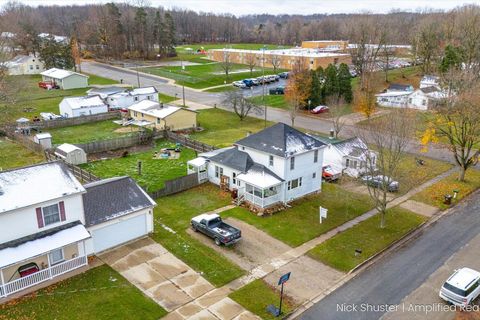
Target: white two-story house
<point>276,165</point>
<point>50,223</point>
<point>125,99</point>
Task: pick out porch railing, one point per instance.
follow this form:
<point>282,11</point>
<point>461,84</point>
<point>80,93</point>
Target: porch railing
<point>42,275</point>
<point>262,202</point>
<point>202,176</point>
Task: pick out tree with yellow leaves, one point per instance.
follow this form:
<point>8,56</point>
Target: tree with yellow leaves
<point>456,118</point>
<point>298,88</point>
<point>365,100</point>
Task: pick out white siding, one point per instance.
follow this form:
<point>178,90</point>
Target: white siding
<point>263,158</point>
<point>23,222</point>
<point>305,167</point>
<point>124,101</point>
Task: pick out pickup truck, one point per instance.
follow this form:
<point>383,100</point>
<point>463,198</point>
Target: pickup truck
<point>213,226</point>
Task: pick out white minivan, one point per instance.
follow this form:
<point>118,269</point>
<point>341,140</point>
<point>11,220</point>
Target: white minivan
<point>462,287</point>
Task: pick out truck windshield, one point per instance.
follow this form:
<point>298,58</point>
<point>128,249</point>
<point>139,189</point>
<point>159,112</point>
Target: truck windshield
<point>215,221</point>
<point>454,289</point>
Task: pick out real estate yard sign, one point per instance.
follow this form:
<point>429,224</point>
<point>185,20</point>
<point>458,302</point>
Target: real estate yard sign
<point>323,213</point>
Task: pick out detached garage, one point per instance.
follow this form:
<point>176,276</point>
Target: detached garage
<point>117,211</point>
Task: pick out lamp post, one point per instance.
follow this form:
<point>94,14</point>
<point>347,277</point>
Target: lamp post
<point>138,77</point>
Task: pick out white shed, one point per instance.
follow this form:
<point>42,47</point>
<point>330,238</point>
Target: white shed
<point>71,154</point>
<point>65,79</point>
<point>82,106</point>
<point>43,139</point>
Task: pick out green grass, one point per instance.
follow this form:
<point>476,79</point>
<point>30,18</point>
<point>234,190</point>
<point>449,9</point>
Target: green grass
<point>222,89</point>
<point>166,98</point>
<point>88,132</point>
<point>222,128</point>
<point>100,293</point>
<point>275,101</point>
<point>205,75</point>
<point>38,99</point>
<point>434,195</point>
<point>13,155</point>
<point>94,79</point>
<point>257,295</point>
<point>175,212</point>
<point>300,223</point>
<point>339,251</point>
<point>154,171</point>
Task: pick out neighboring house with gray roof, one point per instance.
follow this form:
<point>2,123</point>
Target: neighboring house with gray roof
<point>276,165</point>
<point>348,156</point>
<point>50,223</point>
<point>23,64</point>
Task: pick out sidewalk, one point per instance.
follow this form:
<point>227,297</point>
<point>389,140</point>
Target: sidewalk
<point>291,256</point>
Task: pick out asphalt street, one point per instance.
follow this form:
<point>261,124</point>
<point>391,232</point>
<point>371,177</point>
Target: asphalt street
<point>273,114</point>
<point>395,276</point>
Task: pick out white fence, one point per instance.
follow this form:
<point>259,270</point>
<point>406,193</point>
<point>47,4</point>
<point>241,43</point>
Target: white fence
<point>42,275</point>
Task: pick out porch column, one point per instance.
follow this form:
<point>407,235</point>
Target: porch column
<point>2,284</point>
<point>85,252</point>
<point>49,266</point>
<point>263,197</point>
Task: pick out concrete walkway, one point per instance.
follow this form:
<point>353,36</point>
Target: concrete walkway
<point>289,259</point>
<point>191,105</point>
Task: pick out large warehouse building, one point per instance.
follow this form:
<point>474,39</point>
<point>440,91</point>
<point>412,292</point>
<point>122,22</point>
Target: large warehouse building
<point>284,58</point>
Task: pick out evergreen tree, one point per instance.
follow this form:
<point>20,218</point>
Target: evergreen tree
<point>331,81</point>
<point>56,54</point>
<point>141,29</point>
<point>158,33</point>
<point>452,58</point>
<point>345,83</point>
<point>170,34</point>
<point>315,97</point>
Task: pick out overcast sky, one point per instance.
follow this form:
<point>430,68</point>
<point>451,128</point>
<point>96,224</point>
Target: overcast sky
<point>241,7</point>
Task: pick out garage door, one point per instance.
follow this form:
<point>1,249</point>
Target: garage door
<point>118,233</point>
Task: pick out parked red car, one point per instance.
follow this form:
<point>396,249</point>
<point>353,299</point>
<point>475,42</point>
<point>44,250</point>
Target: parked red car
<point>48,85</point>
<point>319,109</point>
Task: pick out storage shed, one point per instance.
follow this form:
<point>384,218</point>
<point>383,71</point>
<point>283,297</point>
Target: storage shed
<point>43,139</point>
<point>82,106</point>
<point>65,79</point>
<point>71,153</point>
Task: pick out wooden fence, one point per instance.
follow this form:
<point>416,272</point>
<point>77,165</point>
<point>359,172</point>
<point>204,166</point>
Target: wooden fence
<point>25,141</point>
<point>189,143</point>
<point>79,173</point>
<point>176,185</point>
<point>117,143</point>
<point>67,122</point>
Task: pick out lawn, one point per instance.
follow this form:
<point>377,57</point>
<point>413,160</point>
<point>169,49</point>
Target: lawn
<point>222,89</point>
<point>32,100</point>
<point>205,75</point>
<point>275,101</point>
<point>434,195</point>
<point>13,155</point>
<point>411,175</point>
<point>166,98</point>
<point>300,223</point>
<point>222,128</point>
<point>100,293</point>
<point>154,171</point>
<point>339,251</point>
<point>257,295</point>
<point>89,132</point>
<point>172,219</point>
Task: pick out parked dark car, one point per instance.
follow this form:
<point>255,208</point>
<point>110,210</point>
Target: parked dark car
<point>378,181</point>
<point>283,75</point>
<point>249,83</point>
<point>213,226</point>
<point>277,90</point>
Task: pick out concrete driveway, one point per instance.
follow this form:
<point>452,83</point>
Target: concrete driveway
<point>255,248</point>
<point>158,273</point>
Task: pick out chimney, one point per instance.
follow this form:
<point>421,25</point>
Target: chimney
<point>161,105</point>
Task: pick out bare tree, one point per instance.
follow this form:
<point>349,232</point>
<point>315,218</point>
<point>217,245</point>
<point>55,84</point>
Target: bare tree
<point>337,110</point>
<point>275,61</point>
<point>251,61</point>
<point>226,64</point>
<point>426,42</point>
<point>390,135</point>
<point>456,118</point>
<point>298,88</point>
<point>236,101</point>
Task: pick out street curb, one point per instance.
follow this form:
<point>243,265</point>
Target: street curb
<point>412,234</point>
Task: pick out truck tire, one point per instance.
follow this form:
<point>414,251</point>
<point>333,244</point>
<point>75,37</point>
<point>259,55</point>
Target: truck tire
<point>217,242</point>
<point>194,228</point>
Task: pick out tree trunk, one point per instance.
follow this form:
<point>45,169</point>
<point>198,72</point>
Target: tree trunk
<point>382,219</point>
<point>461,174</point>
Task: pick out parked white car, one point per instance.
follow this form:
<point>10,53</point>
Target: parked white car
<point>462,287</point>
<point>239,84</point>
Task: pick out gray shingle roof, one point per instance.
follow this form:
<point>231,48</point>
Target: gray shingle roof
<point>400,87</point>
<point>38,235</point>
<point>429,89</point>
<point>281,140</point>
<point>112,198</point>
<point>234,159</point>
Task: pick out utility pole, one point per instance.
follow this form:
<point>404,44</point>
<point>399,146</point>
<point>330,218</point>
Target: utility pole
<point>183,85</point>
<point>138,77</point>
<point>263,84</point>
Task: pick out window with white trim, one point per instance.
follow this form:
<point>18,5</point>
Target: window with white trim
<point>292,163</point>
<point>234,178</point>
<point>56,256</point>
<point>295,183</point>
<point>315,156</point>
<point>270,161</point>
<point>51,214</point>
<point>218,171</point>
<point>314,175</point>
